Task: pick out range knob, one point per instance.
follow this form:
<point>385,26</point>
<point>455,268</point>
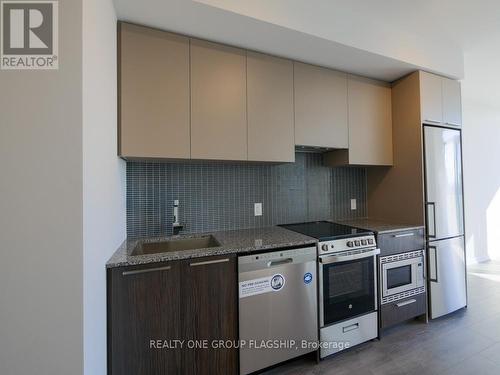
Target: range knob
<point>370,241</point>
<point>363,242</point>
<point>350,244</point>
<point>324,247</point>
<point>357,243</point>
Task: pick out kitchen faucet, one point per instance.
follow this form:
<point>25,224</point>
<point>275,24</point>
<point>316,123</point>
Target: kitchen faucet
<point>176,226</point>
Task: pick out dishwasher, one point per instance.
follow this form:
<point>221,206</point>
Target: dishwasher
<point>277,307</point>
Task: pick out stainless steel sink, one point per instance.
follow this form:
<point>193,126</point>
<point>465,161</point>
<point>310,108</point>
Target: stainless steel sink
<point>177,244</point>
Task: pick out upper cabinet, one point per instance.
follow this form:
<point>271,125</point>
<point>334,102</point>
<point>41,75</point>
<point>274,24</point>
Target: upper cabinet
<point>452,102</point>
<point>320,107</point>
<point>218,102</point>
<point>270,108</point>
<point>370,122</point>
<point>440,100</point>
<point>185,98</point>
<point>153,93</point>
<point>431,98</point>
<point>370,125</point>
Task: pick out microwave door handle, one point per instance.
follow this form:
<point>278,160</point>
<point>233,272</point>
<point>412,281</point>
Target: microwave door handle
<point>411,234</point>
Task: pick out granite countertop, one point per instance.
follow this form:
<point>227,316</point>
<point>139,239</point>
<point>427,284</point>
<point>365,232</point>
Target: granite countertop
<point>233,241</point>
<point>379,226</point>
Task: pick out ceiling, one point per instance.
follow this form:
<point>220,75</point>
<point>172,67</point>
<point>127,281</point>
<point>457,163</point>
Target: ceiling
<point>383,39</point>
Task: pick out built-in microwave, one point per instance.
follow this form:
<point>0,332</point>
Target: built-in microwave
<point>402,275</point>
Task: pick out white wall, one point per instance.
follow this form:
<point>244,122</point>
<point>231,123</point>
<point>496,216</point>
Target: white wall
<point>41,280</point>
<point>384,28</point>
<point>103,174</point>
<point>481,138</point>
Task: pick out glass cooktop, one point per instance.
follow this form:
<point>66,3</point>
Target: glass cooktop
<point>326,230</point>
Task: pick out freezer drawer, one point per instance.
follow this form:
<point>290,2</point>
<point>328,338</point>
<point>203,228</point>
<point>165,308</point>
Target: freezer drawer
<point>443,179</point>
<point>446,275</point>
<point>277,301</point>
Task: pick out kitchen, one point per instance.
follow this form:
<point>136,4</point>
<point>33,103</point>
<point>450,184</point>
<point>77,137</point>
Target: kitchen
<point>212,187</point>
<point>268,276</point>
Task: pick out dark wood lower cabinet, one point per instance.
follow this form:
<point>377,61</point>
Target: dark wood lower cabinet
<point>209,313</point>
<point>149,306</point>
<point>143,305</point>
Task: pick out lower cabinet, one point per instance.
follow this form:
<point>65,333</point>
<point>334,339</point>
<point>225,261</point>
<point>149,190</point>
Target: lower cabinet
<point>399,311</point>
<point>151,306</point>
<point>210,313</point>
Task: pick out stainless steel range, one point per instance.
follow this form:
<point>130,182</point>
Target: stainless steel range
<point>347,284</point>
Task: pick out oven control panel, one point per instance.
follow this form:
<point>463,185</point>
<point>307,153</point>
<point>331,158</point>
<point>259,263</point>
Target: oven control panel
<point>344,244</point>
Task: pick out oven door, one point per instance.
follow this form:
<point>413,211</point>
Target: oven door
<point>401,276</point>
<point>347,286</point>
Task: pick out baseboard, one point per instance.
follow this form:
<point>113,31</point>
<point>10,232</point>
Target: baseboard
<point>477,260</point>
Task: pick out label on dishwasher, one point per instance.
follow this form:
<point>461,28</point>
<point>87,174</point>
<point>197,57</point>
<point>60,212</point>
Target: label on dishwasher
<point>262,285</point>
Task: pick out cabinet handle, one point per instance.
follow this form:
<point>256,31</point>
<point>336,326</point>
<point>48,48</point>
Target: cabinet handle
<point>409,302</point>
<point>432,120</point>
<point>352,327</point>
<point>404,235</point>
<point>136,272</point>
<point>209,262</point>
<point>452,123</point>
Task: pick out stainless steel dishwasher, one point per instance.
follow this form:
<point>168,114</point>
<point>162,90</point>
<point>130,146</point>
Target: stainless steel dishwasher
<point>277,307</point>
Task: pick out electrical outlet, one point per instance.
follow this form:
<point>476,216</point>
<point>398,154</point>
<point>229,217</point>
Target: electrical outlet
<point>353,204</point>
<point>257,209</point>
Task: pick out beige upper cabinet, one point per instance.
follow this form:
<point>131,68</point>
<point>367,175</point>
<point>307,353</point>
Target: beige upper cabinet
<point>218,102</point>
<point>370,122</point>
<point>452,102</point>
<point>370,125</point>
<point>431,98</point>
<point>153,94</point>
<point>440,100</point>
<point>320,107</point>
<point>270,108</point>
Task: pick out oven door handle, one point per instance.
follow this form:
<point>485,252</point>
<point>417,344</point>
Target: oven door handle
<point>345,258</point>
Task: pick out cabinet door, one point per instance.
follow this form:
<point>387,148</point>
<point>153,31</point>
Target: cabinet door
<point>153,93</point>
<point>452,102</point>
<point>431,98</point>
<point>209,312</point>
<point>143,305</point>
<point>370,122</point>
<point>218,102</point>
<point>270,108</point>
<point>320,107</point>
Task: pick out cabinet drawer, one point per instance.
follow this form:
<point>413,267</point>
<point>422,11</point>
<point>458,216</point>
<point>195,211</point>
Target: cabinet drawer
<point>401,241</point>
<point>398,311</point>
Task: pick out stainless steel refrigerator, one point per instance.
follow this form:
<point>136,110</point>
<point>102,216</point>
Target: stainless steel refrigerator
<point>444,220</point>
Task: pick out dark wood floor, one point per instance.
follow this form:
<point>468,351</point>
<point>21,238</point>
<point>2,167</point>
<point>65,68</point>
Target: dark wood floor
<point>466,342</point>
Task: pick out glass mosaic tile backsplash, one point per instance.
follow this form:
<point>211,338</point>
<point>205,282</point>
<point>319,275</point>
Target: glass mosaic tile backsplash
<point>221,195</point>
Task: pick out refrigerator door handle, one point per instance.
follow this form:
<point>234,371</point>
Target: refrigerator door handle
<point>433,226</point>
<point>434,258</point>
